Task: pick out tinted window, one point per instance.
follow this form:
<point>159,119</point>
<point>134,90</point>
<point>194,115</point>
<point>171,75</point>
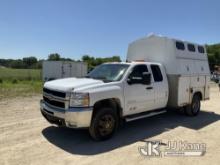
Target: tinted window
<point>139,70</point>
<point>156,73</point>
<point>191,47</point>
<point>180,45</point>
<point>201,49</point>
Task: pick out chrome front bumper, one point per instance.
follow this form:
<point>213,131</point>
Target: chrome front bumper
<point>78,117</point>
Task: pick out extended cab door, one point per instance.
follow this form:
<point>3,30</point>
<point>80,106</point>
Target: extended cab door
<point>138,96</point>
<point>160,85</point>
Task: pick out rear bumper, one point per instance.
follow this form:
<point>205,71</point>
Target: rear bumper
<point>72,117</point>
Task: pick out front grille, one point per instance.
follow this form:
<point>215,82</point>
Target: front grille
<point>54,102</point>
<point>54,93</point>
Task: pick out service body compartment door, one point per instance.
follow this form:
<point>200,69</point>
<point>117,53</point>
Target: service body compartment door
<point>183,90</point>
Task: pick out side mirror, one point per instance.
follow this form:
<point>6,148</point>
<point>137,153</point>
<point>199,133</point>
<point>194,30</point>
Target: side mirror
<point>146,78</point>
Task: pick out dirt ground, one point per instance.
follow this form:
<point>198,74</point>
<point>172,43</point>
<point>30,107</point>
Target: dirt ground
<point>27,138</point>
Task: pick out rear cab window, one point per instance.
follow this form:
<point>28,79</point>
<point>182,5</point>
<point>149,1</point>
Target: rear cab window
<point>157,74</point>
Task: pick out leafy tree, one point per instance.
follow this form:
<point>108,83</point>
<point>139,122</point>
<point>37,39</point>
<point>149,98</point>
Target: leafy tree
<point>93,62</point>
<point>29,61</point>
<point>53,57</point>
<point>213,55</point>
<point>86,58</point>
<point>18,64</point>
<point>66,59</point>
<point>217,57</point>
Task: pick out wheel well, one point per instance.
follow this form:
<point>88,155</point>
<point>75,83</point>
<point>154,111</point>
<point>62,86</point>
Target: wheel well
<point>199,94</point>
<point>114,103</point>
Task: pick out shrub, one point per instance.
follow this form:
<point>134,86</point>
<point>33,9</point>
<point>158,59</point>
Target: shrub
<point>14,81</point>
<point>1,81</point>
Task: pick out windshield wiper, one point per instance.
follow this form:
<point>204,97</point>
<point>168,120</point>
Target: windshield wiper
<point>100,78</point>
<point>106,81</point>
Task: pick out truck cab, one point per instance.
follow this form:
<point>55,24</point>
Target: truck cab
<point>125,89</point>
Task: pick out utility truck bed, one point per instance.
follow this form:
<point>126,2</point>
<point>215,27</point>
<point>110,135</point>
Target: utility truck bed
<point>186,65</point>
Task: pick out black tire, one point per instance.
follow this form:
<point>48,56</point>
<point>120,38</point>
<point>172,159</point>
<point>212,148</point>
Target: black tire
<point>104,124</point>
<point>194,108</point>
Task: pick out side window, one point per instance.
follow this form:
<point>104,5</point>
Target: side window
<point>191,47</point>
<point>138,71</point>
<point>156,73</point>
<point>201,49</point>
<point>180,45</point>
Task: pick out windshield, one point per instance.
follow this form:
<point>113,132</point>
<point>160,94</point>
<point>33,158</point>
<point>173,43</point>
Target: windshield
<point>108,72</point>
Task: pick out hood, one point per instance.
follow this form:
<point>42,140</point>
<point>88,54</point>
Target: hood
<point>68,84</point>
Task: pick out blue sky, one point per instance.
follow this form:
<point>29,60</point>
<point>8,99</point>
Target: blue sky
<point>100,28</point>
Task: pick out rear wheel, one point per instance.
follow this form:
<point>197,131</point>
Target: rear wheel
<point>104,124</point>
<point>194,108</point>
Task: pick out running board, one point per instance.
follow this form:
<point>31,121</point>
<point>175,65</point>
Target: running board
<point>143,115</point>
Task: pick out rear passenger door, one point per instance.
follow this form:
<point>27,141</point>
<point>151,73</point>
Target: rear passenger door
<point>160,86</point>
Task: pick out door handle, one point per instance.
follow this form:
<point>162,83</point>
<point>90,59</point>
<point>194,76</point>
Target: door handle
<point>148,88</point>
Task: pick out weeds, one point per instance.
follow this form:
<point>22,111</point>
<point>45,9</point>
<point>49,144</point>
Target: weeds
<point>19,82</point>
<point>14,81</point>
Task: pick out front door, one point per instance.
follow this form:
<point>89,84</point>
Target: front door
<point>138,97</point>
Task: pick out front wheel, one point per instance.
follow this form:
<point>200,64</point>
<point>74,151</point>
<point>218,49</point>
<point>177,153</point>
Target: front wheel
<point>194,108</point>
<point>104,124</point>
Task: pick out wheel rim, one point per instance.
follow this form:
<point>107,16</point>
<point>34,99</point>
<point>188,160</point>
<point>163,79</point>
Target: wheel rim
<point>196,106</point>
<point>106,125</point>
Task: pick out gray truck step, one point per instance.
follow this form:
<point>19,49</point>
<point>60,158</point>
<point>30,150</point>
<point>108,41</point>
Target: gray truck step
<point>144,115</point>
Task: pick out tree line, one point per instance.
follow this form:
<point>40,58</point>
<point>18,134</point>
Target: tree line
<point>213,55</point>
<point>33,63</point>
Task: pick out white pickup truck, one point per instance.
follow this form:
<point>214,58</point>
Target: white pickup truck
<point>160,73</point>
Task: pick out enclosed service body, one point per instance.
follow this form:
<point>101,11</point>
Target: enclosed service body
<point>186,65</point>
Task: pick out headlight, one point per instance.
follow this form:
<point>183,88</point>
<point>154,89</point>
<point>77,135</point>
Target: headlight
<point>79,100</point>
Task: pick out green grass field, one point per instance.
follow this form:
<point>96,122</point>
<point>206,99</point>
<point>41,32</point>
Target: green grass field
<point>19,82</point>
<point>20,74</point>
